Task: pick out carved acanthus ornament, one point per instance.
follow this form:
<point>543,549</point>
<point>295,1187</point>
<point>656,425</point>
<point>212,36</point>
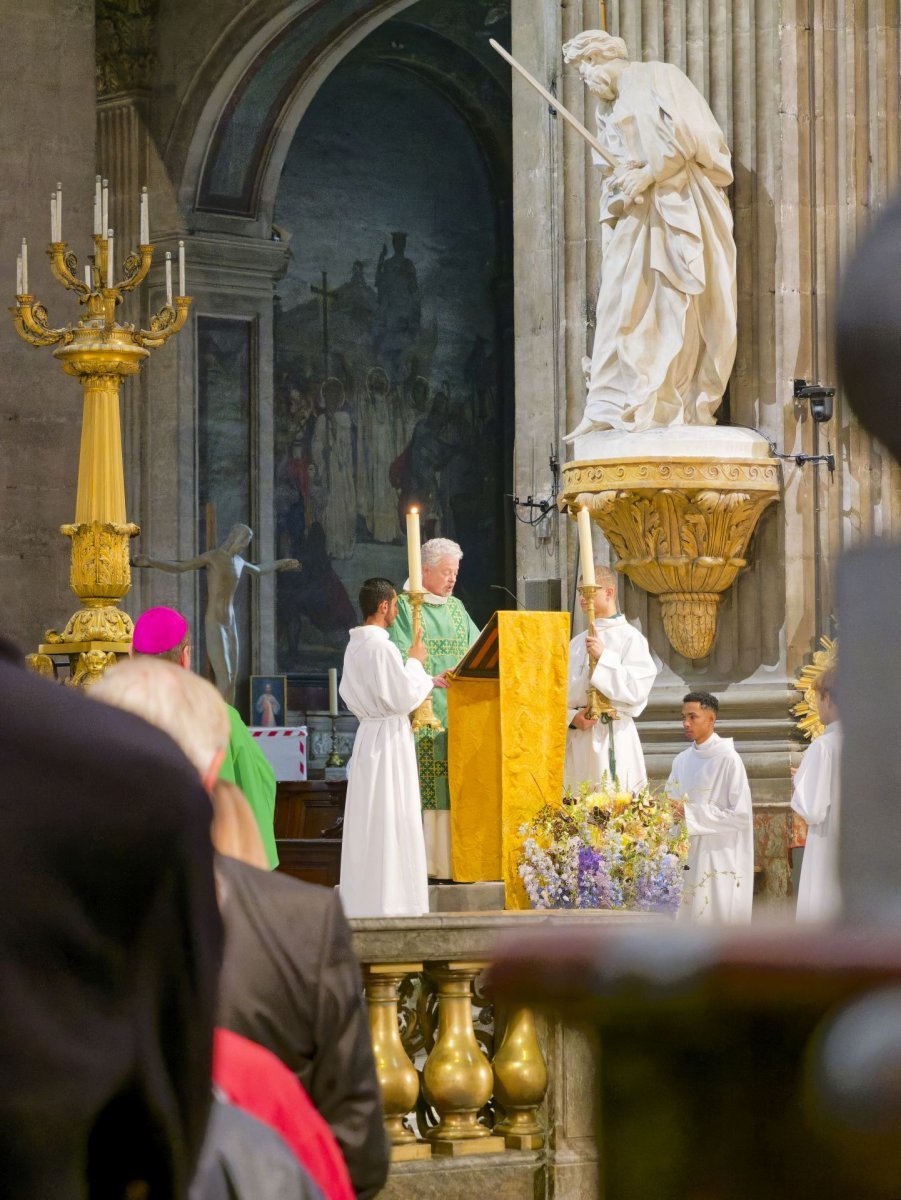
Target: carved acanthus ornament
<point>680,530</point>
<point>126,45</point>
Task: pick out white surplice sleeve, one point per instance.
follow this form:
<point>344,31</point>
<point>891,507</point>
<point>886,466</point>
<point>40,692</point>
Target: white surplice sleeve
<point>731,810</point>
<point>813,781</point>
<point>626,677</point>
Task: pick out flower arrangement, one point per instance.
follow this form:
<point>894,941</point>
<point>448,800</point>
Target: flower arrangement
<point>605,848</point>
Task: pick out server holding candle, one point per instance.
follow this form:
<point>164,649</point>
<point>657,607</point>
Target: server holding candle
<point>447,632</point>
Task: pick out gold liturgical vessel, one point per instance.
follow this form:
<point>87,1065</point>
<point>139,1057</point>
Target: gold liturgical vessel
<point>99,352</point>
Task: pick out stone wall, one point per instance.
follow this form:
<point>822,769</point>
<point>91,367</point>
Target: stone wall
<point>46,136</point>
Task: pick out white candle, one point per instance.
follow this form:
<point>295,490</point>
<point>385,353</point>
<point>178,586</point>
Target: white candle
<point>145,218</point>
<point>53,237</point>
<point>109,258</point>
<point>19,275</point>
<point>59,212</point>
<point>24,267</point>
<point>586,549</point>
<point>98,206</point>
<point>104,206</point>
<point>169,278</point>
<point>414,551</point>
<point>332,692</point>
<point>181,269</point>
<point>87,276</point>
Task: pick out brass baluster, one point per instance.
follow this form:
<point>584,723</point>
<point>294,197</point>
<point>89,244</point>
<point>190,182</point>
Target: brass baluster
<point>457,1079</point>
<point>398,1078</point>
<point>520,1082</point>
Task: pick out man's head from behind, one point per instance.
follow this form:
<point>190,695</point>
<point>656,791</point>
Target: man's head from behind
<point>826,692</point>
<point>699,713</point>
<point>378,602</point>
<point>163,633</point>
<point>184,706</point>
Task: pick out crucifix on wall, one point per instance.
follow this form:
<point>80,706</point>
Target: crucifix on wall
<point>326,295</point>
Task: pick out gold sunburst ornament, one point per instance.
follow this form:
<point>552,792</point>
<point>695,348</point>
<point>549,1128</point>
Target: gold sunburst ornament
<point>808,719</point>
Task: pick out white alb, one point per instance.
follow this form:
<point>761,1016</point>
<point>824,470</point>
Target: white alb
<point>816,799</point>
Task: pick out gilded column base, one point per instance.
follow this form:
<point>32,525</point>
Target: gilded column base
<point>443,1148</point>
<point>424,717</point>
<point>679,527</point>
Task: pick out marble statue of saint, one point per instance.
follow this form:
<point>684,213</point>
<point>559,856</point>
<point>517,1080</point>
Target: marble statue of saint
<point>225,565</point>
<point>665,336</point>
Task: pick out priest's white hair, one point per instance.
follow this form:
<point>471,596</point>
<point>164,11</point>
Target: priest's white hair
<point>437,548</point>
<point>180,703</point>
<point>594,44</point>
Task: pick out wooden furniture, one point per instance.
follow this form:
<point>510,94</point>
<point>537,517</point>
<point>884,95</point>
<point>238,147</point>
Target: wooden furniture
<point>308,819</point>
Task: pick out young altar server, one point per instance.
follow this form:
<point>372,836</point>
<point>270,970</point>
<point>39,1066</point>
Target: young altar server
<point>383,864</point>
<point>816,799</point>
<point>625,674</point>
<point>710,786</point>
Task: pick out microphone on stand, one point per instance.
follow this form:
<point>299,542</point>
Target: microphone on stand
<point>499,587</point>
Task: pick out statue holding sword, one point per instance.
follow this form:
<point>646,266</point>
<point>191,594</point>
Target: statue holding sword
<point>665,335</point>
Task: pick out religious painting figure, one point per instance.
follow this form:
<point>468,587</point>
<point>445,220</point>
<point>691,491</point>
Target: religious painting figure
<point>448,632</point>
<point>383,861</point>
<point>381,448</point>
<point>399,317</point>
<point>268,708</point>
<point>665,334</point>
<point>225,565</point>
<point>625,674</point>
<point>332,472</point>
<point>710,786</point>
<point>816,798</point>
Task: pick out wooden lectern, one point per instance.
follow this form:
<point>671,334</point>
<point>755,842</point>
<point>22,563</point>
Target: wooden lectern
<point>506,706</point>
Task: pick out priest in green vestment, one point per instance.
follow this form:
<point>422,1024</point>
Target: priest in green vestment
<point>448,632</point>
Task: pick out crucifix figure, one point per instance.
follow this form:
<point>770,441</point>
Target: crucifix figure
<point>326,296</point>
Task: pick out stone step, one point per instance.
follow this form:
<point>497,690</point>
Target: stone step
<point>466,897</point>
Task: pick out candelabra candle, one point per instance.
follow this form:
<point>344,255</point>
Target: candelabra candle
<point>98,207</point>
<point>181,268</point>
<point>53,237</point>
<point>145,218</point>
<point>109,258</point>
<point>59,213</point>
<point>104,206</point>
<point>19,274</point>
<point>87,276</point>
<point>169,278</point>
<point>24,291</point>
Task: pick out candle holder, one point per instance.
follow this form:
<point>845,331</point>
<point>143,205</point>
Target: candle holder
<point>423,717</point>
<point>334,759</point>
<point>100,352</point>
<point>599,707</point>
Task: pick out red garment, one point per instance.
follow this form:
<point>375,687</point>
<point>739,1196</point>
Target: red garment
<point>256,1081</point>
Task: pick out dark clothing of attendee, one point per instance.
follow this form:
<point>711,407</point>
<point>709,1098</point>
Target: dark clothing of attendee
<point>290,981</point>
<point>110,941</point>
<point>243,1159</point>
<point>251,1077</point>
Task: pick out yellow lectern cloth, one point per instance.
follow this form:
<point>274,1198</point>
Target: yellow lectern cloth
<point>506,746</point>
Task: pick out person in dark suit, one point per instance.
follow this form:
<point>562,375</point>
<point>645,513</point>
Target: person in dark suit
<point>110,939</point>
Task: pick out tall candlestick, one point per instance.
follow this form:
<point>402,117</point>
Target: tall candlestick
<point>109,258</point>
<point>24,267</point>
<point>104,206</point>
<point>586,548</point>
<point>145,218</point>
<point>332,692</point>
<point>414,551</point>
<point>98,207</point>
<point>19,291</point>
<point>181,269</point>
<point>169,278</point>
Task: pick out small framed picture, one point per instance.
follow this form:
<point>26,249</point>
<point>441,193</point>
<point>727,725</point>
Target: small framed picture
<point>268,700</point>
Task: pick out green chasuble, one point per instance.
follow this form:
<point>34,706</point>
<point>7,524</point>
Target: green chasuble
<point>246,765</point>
<point>448,633</point>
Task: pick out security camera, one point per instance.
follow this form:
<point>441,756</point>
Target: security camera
<point>820,399</point>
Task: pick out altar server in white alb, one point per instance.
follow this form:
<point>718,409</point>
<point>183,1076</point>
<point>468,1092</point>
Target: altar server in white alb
<point>710,787</point>
<point>625,674</point>
<point>816,799</point>
<point>383,866</point>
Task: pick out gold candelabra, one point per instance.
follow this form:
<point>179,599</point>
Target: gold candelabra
<point>599,707</point>
<point>99,352</point>
<point>423,716</point>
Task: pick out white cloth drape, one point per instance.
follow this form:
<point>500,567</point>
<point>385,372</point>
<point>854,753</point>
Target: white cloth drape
<point>816,799</point>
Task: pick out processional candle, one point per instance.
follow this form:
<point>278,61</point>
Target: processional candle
<point>586,548</point>
<point>414,551</point>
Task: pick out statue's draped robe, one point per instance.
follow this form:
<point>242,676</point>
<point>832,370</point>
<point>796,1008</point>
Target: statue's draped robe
<point>816,799</point>
<point>447,632</point>
<point>665,335</point>
<point>719,881</point>
<point>625,674</point>
<point>383,868</point>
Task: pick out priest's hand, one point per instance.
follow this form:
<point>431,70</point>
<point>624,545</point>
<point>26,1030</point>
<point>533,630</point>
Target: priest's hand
<point>595,645</point>
<point>583,721</point>
<point>440,681</point>
<point>417,649</point>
